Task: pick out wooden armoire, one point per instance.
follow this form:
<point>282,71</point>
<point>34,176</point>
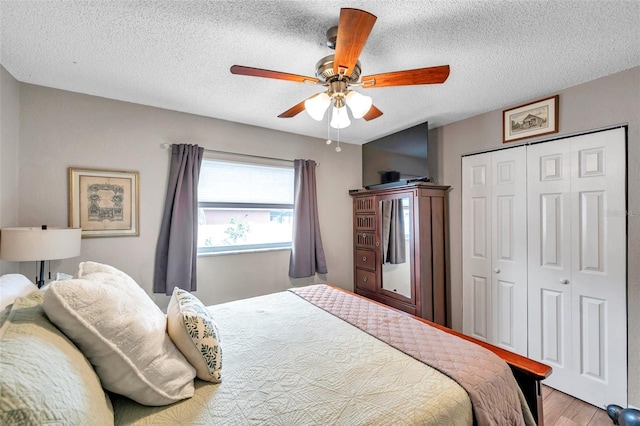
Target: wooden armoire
<point>400,238</point>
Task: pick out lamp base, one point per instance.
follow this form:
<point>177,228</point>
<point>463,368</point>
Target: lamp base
<point>40,281</point>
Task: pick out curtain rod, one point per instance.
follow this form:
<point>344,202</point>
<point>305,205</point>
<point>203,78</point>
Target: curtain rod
<point>168,145</point>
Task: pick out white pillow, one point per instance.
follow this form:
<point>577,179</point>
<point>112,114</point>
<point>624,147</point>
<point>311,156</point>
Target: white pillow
<point>44,378</point>
<point>122,332</point>
<point>193,330</point>
<point>13,286</point>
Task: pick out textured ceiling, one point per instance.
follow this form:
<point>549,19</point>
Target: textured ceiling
<point>177,54</point>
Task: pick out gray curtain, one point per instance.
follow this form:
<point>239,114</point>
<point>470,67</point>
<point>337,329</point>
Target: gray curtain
<point>177,250</point>
<point>307,255</point>
<point>393,240</point>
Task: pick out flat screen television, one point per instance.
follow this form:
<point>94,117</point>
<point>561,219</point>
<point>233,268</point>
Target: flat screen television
<point>396,159</point>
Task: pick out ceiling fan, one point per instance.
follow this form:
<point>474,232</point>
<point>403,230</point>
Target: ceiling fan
<point>340,71</point>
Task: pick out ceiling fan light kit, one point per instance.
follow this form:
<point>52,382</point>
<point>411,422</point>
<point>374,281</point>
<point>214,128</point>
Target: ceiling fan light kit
<point>340,118</point>
<point>317,105</point>
<point>341,70</point>
<point>359,104</point>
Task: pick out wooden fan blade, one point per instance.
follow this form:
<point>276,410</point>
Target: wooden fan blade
<point>431,75</point>
<point>353,31</point>
<point>293,111</point>
<point>373,113</point>
<point>257,72</point>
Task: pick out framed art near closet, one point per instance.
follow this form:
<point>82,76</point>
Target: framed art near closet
<point>532,119</point>
<point>104,203</point>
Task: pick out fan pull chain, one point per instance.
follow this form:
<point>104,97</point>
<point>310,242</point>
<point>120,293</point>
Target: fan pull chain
<point>329,141</point>
<point>328,127</point>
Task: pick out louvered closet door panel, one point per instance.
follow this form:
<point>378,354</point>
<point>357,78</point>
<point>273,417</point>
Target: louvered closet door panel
<point>509,249</point>
<point>476,245</point>
<point>549,189</point>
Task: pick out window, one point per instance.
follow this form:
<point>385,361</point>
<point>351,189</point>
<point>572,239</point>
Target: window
<point>244,205</point>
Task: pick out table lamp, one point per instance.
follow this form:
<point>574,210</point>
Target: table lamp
<point>39,244</point>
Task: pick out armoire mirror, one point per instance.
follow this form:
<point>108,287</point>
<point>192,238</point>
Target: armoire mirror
<point>395,245</point>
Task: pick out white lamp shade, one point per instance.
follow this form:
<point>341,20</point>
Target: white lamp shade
<point>359,104</point>
<point>340,118</point>
<point>27,244</point>
<point>317,105</point>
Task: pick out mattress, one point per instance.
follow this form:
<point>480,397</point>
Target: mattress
<point>288,362</point>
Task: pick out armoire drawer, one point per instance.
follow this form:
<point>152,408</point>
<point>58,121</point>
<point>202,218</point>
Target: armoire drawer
<point>365,204</point>
<point>365,222</point>
<point>365,240</point>
<point>365,279</point>
<point>366,259</point>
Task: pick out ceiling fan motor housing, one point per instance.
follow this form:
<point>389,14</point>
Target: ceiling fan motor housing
<point>325,73</point>
<point>332,36</point>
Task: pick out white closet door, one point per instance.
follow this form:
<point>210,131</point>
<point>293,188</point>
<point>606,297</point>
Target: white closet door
<point>577,268</point>
<point>509,249</point>
<point>598,245</point>
<point>495,248</point>
<point>549,193</point>
<point>476,244</point>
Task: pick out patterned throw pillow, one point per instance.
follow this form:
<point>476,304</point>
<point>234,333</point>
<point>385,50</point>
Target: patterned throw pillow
<point>194,332</point>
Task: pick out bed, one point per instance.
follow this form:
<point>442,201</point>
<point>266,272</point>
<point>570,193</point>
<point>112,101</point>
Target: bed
<point>312,355</point>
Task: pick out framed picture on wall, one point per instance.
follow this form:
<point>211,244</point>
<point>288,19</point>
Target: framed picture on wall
<point>532,119</point>
<point>104,203</point>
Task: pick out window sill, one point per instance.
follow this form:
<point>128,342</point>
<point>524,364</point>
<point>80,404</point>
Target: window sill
<point>224,253</point>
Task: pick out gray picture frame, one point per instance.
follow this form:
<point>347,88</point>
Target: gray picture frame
<point>104,203</point>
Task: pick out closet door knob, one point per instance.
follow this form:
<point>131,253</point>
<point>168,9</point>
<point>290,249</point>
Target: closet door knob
<point>364,258</point>
<point>564,281</point>
<point>377,244</point>
<point>365,279</point>
<point>496,270</point>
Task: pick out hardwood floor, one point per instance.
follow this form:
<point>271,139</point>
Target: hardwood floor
<point>561,409</point>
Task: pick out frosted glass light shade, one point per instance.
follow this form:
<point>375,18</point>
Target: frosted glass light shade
<point>359,104</point>
<point>34,244</point>
<point>340,118</point>
<point>317,105</point>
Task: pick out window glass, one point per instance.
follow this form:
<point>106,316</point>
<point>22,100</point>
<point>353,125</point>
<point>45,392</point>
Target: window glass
<point>244,206</point>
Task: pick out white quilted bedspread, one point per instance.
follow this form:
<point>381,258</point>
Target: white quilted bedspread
<point>287,362</point>
<point>486,377</point>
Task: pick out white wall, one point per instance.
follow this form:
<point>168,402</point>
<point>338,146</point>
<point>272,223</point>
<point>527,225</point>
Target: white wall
<point>604,102</point>
<point>60,129</point>
<point>9,123</point>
